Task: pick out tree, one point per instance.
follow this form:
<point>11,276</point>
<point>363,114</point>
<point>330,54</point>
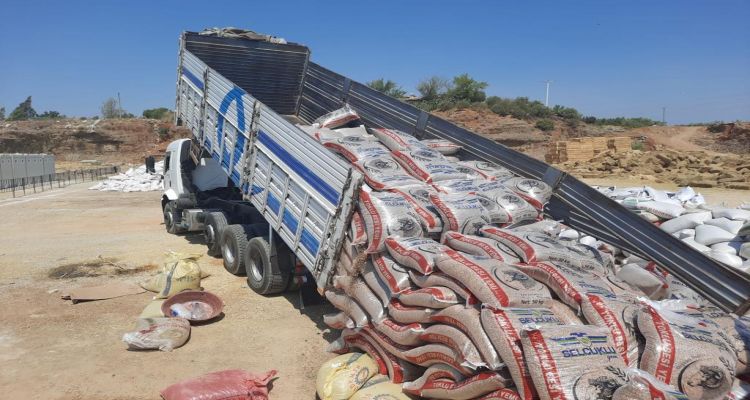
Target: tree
<point>110,109</point>
<point>388,87</point>
<point>468,89</point>
<point>156,113</point>
<point>433,87</point>
<point>566,112</point>
<point>51,115</point>
<point>2,113</point>
<point>23,112</point>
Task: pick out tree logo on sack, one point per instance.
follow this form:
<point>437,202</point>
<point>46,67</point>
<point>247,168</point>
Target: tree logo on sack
<point>379,165</point>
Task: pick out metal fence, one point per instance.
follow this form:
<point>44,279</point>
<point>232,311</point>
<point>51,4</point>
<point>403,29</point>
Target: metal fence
<point>33,184</point>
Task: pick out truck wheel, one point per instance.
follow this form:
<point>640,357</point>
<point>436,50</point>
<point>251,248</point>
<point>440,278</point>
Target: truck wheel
<point>212,227</point>
<point>172,218</point>
<point>233,247</point>
<point>267,270</point>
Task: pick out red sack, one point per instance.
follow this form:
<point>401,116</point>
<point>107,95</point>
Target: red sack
<point>232,384</point>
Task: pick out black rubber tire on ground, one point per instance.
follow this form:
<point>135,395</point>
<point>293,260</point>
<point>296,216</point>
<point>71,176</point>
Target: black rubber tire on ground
<point>268,269</point>
<point>213,226</point>
<point>234,244</point>
<point>172,218</point>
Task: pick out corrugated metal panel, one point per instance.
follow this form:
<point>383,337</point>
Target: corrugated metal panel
<point>574,202</point>
<point>272,72</point>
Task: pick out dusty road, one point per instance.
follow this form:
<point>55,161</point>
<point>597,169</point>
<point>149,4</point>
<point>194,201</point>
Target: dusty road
<point>50,348</point>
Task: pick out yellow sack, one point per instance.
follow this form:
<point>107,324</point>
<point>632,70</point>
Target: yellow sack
<point>179,272</point>
<point>383,390</point>
<point>341,376</point>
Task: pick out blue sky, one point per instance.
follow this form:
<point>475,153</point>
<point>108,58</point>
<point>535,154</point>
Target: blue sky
<point>606,58</point>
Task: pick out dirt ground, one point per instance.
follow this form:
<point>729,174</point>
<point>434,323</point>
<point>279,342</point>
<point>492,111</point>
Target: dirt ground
<point>50,348</point>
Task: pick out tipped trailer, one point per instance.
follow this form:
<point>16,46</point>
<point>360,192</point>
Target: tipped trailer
<point>271,199</point>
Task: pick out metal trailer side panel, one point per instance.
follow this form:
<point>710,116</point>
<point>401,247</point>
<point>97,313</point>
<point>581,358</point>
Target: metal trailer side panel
<point>6,167</point>
<point>304,191</point>
<point>574,202</point>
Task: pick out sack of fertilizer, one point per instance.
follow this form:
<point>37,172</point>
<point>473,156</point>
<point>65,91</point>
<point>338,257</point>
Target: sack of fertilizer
<point>404,314</point>
<point>380,391</point>
<point>351,341</point>
<point>467,320</point>
<point>488,170</point>
<point>344,116</point>
<point>618,315</point>
<point>516,208</point>
<point>383,172</point>
<point>416,253</point>
<point>387,215</point>
<point>661,209</point>
<point>644,386</point>
<point>464,213</point>
<point>441,279</point>
<point>453,186</point>
<point>569,285</point>
<point>504,326</point>
<point>444,147</point>
<point>429,297</point>
<point>432,353</point>
<point>427,165</point>
<point>480,246</point>
<point>403,334</point>
<point>536,192</point>
<point>357,231</point>
<point>350,307</point>
<point>455,339</point>
<point>338,320</point>
<point>685,353</point>
<point>320,134</point>
<point>534,247</point>
<point>469,388</point>
<point>354,148</point>
<point>390,352</point>
<point>394,275</point>
<point>654,285</point>
<point>572,362</point>
<point>733,329</point>
<point>397,140</point>
<point>419,198</point>
<point>492,281</point>
<point>357,289</point>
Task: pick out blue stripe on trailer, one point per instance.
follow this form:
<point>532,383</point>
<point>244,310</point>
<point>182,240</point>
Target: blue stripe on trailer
<point>290,221</point>
<point>234,95</point>
<point>256,189</point>
<point>235,176</point>
<point>192,78</point>
<point>273,202</point>
<point>225,160</point>
<point>245,188</point>
<point>328,192</point>
<point>309,241</point>
<point>215,156</point>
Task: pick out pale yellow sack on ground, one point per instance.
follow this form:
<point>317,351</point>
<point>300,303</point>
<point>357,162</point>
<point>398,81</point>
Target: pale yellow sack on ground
<point>383,390</point>
<point>179,272</point>
<point>340,377</point>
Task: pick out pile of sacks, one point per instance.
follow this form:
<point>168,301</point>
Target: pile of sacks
<point>456,288</point>
<point>133,180</point>
<point>719,232</point>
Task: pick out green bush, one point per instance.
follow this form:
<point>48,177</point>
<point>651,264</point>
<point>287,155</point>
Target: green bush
<point>156,113</point>
<point>637,122</point>
<point>566,112</point>
<point>545,125</point>
<point>520,107</point>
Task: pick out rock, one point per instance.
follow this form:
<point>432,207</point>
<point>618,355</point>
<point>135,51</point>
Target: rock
<point>701,184</point>
<point>740,186</point>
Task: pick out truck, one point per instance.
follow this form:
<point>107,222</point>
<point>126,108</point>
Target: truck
<point>275,204</point>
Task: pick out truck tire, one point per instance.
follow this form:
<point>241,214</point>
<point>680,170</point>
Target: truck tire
<point>172,218</point>
<point>213,226</point>
<point>234,243</point>
<point>268,269</point>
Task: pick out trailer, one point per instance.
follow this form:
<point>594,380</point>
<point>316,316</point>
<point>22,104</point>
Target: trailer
<point>269,198</point>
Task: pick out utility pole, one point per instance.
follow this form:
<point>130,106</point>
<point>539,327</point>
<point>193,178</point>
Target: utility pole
<point>546,96</point>
<point>119,106</point>
<point>664,115</point>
